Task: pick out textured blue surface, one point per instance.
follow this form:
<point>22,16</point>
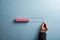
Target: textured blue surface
<point>11,9</point>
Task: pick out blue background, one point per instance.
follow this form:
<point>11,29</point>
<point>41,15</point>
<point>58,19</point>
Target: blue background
<point>48,10</point>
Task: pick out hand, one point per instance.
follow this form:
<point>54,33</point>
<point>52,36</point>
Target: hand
<point>44,27</point>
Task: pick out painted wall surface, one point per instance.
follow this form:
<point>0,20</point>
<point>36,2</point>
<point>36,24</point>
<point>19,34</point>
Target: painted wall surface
<point>48,10</point>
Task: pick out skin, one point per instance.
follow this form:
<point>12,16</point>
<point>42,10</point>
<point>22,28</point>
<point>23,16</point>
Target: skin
<point>44,27</point>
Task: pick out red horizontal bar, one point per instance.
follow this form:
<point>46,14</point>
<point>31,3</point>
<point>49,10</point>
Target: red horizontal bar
<point>22,20</point>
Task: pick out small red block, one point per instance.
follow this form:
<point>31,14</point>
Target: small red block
<point>22,20</point>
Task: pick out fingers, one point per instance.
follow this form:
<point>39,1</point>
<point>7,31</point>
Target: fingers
<point>45,25</point>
